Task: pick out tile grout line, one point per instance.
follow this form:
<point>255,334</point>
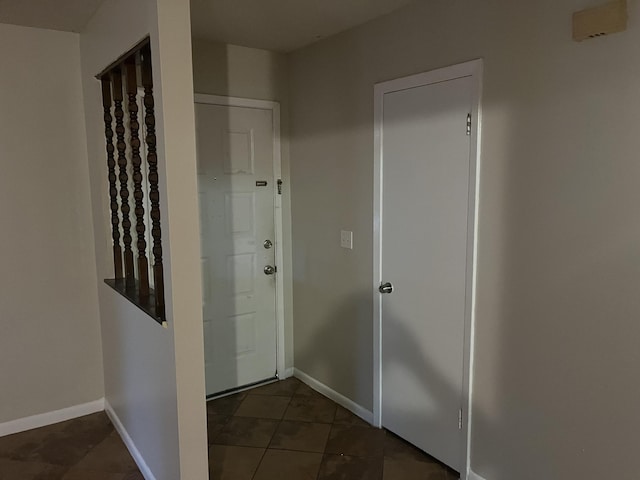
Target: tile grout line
<point>71,467</point>
<point>274,432</point>
<point>332,425</point>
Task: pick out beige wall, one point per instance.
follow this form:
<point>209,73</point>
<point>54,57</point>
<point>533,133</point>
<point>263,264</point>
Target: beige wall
<point>50,353</point>
<point>235,71</point>
<point>558,273</point>
<point>154,377</point>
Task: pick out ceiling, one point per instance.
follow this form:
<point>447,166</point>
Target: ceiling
<point>67,15</point>
<point>281,25</point>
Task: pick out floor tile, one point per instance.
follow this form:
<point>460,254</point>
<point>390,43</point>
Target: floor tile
<point>396,448</point>
<point>288,465</point>
<point>109,456</point>
<point>92,426</point>
<point>225,405</point>
<point>133,476</point>
<point>233,463</point>
<point>343,467</point>
<point>247,432</point>
<point>78,474</point>
<point>17,470</point>
<point>345,417</point>
<point>356,441</point>
<point>451,474</point>
<point>24,443</point>
<point>284,388</point>
<point>311,409</point>
<point>305,390</point>
<point>303,436</point>
<point>62,444</point>
<point>263,406</point>
<point>412,470</point>
<point>215,424</point>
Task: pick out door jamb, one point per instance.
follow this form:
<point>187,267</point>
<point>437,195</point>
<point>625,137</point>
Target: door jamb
<point>274,107</point>
<point>473,69</point>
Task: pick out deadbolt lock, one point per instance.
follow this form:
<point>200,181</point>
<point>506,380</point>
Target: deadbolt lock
<point>267,244</point>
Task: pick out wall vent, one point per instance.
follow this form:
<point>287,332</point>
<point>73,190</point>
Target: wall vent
<point>600,21</point>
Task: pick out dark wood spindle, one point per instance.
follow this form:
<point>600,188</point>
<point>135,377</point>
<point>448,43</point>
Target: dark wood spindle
<point>124,177</point>
<point>136,160</point>
<point>154,193</point>
<point>111,164</point>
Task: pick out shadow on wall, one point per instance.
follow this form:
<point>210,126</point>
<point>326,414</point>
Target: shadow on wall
<point>556,330</point>
<point>558,270</point>
<point>412,362</point>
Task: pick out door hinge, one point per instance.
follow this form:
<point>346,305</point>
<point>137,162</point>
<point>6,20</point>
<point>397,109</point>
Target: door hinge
<point>469,124</point>
<point>460,419</point>
<point>279,186</point>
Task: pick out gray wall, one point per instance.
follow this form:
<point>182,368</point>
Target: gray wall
<point>558,261</point>
<point>235,71</point>
<point>50,353</point>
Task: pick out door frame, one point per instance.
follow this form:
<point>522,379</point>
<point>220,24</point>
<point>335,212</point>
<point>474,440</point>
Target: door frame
<point>468,69</point>
<point>274,107</point>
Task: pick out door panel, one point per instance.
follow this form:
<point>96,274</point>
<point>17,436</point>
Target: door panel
<point>235,150</point>
<point>425,167</point>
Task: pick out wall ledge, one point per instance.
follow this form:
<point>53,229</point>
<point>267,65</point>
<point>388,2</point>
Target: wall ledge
<point>50,418</point>
<point>128,441</point>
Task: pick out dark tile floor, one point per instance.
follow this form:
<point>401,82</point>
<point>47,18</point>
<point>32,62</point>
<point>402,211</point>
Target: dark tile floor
<point>86,448</point>
<point>287,431</point>
<point>281,431</point>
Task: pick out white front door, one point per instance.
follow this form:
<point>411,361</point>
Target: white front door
<point>236,186</point>
<point>424,245</point>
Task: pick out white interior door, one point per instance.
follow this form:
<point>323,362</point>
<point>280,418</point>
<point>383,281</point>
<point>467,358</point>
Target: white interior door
<point>236,187</point>
<point>424,244</point>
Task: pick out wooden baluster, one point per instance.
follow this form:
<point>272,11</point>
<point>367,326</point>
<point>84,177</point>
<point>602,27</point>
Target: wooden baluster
<point>136,160</point>
<point>111,164</point>
<point>154,194</point>
<point>124,178</point>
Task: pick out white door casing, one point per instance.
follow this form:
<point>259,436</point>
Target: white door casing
<point>238,151</point>
<point>424,244</point>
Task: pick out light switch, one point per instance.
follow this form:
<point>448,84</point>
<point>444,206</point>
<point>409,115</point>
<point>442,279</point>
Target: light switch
<point>346,239</point>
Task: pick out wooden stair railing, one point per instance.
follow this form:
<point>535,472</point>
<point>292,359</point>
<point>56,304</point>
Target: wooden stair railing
<point>132,75</point>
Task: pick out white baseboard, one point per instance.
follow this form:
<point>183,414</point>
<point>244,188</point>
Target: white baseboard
<point>49,418</point>
<point>474,476</point>
<point>135,453</point>
<point>340,399</point>
<point>288,372</point>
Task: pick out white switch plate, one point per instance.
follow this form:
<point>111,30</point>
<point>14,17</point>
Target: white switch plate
<point>346,239</point>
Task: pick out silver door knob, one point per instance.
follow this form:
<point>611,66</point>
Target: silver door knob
<point>267,244</point>
<point>385,288</point>
<point>269,270</point>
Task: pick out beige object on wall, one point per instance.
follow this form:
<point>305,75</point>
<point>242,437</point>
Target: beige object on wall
<point>599,21</point>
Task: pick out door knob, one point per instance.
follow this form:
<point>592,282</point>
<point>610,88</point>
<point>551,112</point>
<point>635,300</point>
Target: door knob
<point>385,288</point>
<point>269,270</point>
